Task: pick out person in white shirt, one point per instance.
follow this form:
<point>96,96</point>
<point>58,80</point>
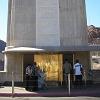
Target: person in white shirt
<point>29,70</point>
<point>78,68</point>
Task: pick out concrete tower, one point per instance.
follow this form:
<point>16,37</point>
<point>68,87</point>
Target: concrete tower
<point>34,23</point>
<point>51,25</point>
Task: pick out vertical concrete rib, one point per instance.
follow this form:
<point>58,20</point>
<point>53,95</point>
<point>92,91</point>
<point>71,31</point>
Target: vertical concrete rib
<point>9,22</point>
<point>22,23</point>
<point>47,23</point>
<point>73,23</point>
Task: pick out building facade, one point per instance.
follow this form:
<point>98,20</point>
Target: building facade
<point>48,32</point>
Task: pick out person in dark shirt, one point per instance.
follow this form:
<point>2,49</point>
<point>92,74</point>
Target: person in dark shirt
<point>66,69</point>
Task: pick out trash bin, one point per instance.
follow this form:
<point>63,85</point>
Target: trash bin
<point>34,83</point>
<point>31,83</point>
<point>27,82</point>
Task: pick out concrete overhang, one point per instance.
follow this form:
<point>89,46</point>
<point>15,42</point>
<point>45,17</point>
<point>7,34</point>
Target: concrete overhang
<point>22,49</point>
<point>51,49</point>
<point>72,48</point>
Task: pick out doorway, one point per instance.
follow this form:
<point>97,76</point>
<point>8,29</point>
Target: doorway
<point>68,56</point>
<point>51,65</point>
<point>28,59</point>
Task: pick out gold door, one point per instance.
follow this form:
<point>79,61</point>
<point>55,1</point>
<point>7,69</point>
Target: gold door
<point>51,64</point>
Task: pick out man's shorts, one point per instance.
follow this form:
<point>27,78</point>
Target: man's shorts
<point>78,77</point>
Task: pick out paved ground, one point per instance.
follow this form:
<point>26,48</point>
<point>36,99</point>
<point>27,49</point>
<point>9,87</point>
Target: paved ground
<point>93,91</point>
<point>50,98</point>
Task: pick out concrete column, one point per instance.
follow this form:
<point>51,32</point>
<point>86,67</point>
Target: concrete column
<point>47,23</point>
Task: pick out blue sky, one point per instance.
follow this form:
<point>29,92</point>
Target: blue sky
<point>93,12</point>
<point>92,9</point>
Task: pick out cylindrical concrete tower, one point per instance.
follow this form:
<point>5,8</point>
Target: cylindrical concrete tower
<point>22,23</point>
<point>34,23</point>
<point>73,23</point>
<point>53,26</point>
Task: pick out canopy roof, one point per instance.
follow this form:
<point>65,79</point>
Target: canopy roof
<point>23,49</point>
<point>52,49</point>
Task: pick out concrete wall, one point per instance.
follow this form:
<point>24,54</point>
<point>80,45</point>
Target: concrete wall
<point>22,23</point>
<point>14,64</point>
<point>73,23</point>
<point>9,22</point>
<point>47,23</point>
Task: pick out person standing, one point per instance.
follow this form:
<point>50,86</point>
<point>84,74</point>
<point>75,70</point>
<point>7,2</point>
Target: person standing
<point>35,77</point>
<point>66,70</point>
<point>28,77</point>
<point>78,71</point>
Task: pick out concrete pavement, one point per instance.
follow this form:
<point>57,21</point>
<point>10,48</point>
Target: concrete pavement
<point>57,92</point>
<point>50,98</point>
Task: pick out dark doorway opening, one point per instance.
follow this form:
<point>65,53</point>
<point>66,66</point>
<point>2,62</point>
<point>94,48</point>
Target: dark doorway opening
<point>28,59</point>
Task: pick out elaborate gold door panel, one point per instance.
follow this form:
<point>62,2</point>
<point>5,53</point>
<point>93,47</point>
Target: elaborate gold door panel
<point>51,64</point>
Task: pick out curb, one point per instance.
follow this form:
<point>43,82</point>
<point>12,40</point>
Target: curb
<point>59,94</point>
